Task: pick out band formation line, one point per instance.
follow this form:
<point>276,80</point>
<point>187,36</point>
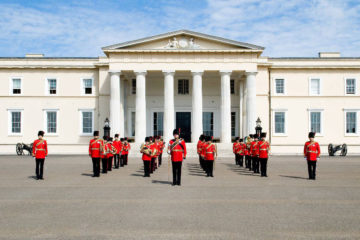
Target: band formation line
<point>254,150</point>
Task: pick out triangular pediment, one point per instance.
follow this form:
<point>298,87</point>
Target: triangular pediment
<point>183,40</point>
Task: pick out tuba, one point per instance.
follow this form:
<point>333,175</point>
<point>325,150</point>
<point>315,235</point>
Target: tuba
<point>144,149</point>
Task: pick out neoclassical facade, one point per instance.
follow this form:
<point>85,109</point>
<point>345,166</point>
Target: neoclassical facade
<point>183,79</point>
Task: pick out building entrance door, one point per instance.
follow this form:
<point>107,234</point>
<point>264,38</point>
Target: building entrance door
<point>183,121</point>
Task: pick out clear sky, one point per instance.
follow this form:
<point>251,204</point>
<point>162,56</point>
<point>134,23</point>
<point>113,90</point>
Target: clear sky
<point>286,28</point>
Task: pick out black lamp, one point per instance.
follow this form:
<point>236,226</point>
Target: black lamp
<point>107,128</point>
<point>258,128</point>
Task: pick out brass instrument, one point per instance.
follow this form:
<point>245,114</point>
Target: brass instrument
<point>144,149</point>
<point>113,150</point>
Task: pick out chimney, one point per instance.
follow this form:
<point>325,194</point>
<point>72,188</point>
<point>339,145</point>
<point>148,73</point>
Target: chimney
<point>329,54</point>
<point>34,55</point>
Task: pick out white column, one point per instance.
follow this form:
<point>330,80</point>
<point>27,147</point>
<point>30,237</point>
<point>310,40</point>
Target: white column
<point>197,112</point>
<point>241,109</point>
<point>140,106</point>
<point>122,108</point>
<point>115,117</point>
<point>251,102</point>
<point>169,111</point>
<point>225,107</point>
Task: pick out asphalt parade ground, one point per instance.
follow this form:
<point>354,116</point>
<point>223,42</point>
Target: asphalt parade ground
<point>235,204</point>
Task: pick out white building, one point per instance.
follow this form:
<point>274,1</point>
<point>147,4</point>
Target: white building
<point>182,79</point>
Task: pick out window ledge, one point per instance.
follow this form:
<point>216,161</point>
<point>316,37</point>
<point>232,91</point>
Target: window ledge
<point>51,134</point>
<point>280,135</point>
<point>15,135</point>
<point>86,135</point>
<point>351,135</point>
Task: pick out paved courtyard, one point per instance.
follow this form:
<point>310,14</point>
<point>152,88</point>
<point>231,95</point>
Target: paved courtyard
<point>236,204</point>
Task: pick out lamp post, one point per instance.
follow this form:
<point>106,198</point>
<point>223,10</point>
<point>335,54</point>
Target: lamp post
<point>107,128</point>
<point>258,127</point>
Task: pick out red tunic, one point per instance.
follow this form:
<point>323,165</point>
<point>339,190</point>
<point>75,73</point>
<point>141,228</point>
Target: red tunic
<point>210,152</point>
<point>198,146</point>
<point>161,144</point>
<point>117,145</point>
<point>311,151</point>
<point>240,149</point>
<point>125,148</point>
<point>146,157</point>
<point>95,146</point>
<point>109,150</point>
<point>178,151</point>
<point>103,154</point>
<point>264,147</point>
<point>40,149</point>
<point>254,149</point>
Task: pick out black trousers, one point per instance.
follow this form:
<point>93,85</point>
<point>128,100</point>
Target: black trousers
<point>249,162</point>
<point>209,167</point>
<point>146,168</point>
<point>116,160</point>
<point>237,160</point>
<point>160,158</point>
<point>241,160</point>
<point>312,169</point>
<point>152,166</point>
<point>104,165</point>
<point>125,159</point>
<point>201,162</point>
<point>96,167</point>
<point>109,164</point>
<point>263,166</point>
<point>176,167</point>
<point>255,161</point>
<point>39,170</point>
<point>122,160</point>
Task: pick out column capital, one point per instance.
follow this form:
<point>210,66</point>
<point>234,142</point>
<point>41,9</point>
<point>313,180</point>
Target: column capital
<point>198,72</point>
<point>168,72</point>
<point>140,72</point>
<point>114,72</point>
<point>251,73</point>
<point>225,72</point>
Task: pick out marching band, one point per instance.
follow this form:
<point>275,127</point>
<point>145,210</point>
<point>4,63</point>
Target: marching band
<point>253,150</point>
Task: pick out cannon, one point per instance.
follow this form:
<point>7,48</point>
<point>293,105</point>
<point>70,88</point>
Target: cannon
<point>20,147</point>
<point>333,149</point>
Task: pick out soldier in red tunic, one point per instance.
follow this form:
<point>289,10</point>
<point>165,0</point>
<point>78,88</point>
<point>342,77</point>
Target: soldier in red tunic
<point>264,149</point>
<point>248,152</point>
<point>117,145</point>
<point>111,152</point>
<point>96,146</point>
<point>146,156</point>
<point>254,150</point>
<point>161,149</point>
<point>199,150</point>
<point>104,155</point>
<point>40,151</point>
<point>177,150</point>
<point>235,150</point>
<point>153,148</point>
<point>125,150</point>
<point>312,154</point>
<point>122,141</point>
<point>241,152</point>
<point>210,155</point>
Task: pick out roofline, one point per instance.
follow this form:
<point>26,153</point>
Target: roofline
<point>183,31</point>
<point>314,58</point>
<point>39,58</point>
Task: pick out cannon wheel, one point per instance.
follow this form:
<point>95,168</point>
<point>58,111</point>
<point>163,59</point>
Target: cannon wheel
<point>19,149</point>
<point>344,150</point>
<point>331,150</point>
<point>30,150</point>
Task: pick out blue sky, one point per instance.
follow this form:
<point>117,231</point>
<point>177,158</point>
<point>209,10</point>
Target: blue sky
<point>286,28</point>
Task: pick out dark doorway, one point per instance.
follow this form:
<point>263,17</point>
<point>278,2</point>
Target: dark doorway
<point>183,121</point>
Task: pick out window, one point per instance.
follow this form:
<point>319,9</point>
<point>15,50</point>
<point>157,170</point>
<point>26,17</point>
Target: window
<point>351,122</point>
<point>51,121</point>
<point>133,86</point>
<point>314,86</point>
<point>350,86</point>
<point>232,86</point>
<point>87,121</point>
<point>183,86</point>
<point>87,86</point>
<point>279,121</point>
<point>233,123</point>
<point>315,122</point>
<point>158,123</point>
<point>279,86</point>
<point>208,123</point>
<point>16,86</point>
<point>15,122</point>
<point>51,86</point>
<point>133,123</point>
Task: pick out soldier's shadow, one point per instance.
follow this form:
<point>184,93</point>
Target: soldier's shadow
<point>161,182</point>
<point>239,170</point>
<point>87,174</point>
<point>295,177</point>
<point>33,177</point>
